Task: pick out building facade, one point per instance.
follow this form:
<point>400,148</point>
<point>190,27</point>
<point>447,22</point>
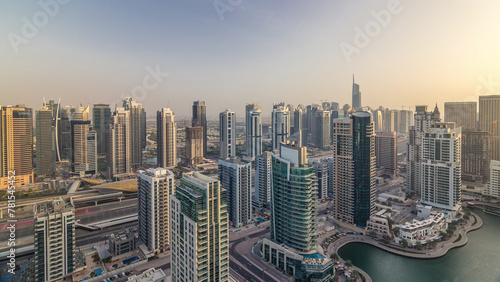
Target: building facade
<point>489,120</point>
<point>475,155</point>
<point>200,119</point>
<point>16,145</point>
<point>194,145</point>
<point>493,186</point>
<point>253,130</point>
<point>441,166</point>
<point>154,188</point>
<point>236,178</point>
<point>137,129</point>
<point>356,95</point>
<point>263,180</point>
<point>101,116</point>
<point>294,199</point>
<point>54,240</point>
<point>45,143</point>
<point>423,120</point>
<point>280,123</point>
<point>227,134</point>
<point>353,166</point>
<point>199,230</point>
<point>463,114</point>
<point>386,152</point>
<point>166,134</point>
<point>120,151</point>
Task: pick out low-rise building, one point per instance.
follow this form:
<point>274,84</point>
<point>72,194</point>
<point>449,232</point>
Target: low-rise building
<point>422,231</point>
<point>121,243</point>
<point>310,266</point>
<point>150,275</point>
<point>378,225</point>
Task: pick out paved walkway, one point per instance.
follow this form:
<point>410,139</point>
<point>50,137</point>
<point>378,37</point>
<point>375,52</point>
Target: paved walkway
<point>441,249</point>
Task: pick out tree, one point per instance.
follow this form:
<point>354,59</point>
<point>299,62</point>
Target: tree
<point>418,245</point>
<point>395,230</point>
<point>405,243</point>
<point>348,263</point>
<point>334,256</point>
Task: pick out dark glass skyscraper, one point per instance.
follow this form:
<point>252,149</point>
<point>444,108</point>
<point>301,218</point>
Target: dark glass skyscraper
<point>200,119</point>
<point>100,121</point>
<point>356,95</point>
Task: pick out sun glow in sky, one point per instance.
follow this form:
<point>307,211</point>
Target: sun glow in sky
<point>230,53</point>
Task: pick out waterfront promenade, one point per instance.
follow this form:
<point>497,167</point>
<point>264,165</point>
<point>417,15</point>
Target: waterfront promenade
<point>440,250</point>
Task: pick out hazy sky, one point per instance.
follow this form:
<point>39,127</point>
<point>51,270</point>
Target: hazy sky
<point>233,52</point>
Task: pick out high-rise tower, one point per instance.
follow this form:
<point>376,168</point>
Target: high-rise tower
<point>166,134</point>
<point>200,119</point>
<point>253,130</point>
<point>356,95</point>
<point>227,134</point>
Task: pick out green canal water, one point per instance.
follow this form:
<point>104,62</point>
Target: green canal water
<point>479,260</point>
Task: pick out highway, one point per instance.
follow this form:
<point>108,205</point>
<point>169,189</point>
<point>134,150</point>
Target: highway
<point>254,271</point>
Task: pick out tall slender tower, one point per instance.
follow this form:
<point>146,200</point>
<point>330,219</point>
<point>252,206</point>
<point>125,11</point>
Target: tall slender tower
<point>166,138</point>
<point>422,122</point>
<point>45,142</point>
<point>322,136</point>
<point>101,115</point>
<point>16,144</point>
<point>489,120</point>
<point>199,232</point>
<point>54,240</point>
<point>236,178</point>
<point>280,125</point>
<point>354,168</point>
<point>386,152</point>
<point>356,95</point>
<point>154,188</point>
<point>294,199</point>
<point>227,134</point>
<point>80,126</point>
<point>441,166</point>
<point>200,119</point>
<point>254,130</point>
<point>263,180</point>
<point>120,155</point>
<point>194,145</point>
<point>136,130</point>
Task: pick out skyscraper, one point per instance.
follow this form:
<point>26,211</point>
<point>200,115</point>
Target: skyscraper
<point>45,142</point>
<point>493,187</point>
<point>386,152</point>
<point>194,145</point>
<point>80,126</point>
<point>64,133</point>
<point>463,114</point>
<point>54,240</point>
<point>119,155</point>
<point>280,122</point>
<point>92,152</point>
<point>321,172</point>
<point>199,232</point>
<point>263,180</point>
<point>294,199</point>
<point>200,119</point>
<point>227,134</point>
<point>16,144</point>
<point>253,130</point>
<point>101,115</point>
<point>136,130</point>
<point>154,188</point>
<point>440,166</point>
<point>166,135</point>
<point>354,168</point>
<point>322,132</point>
<point>356,95</point>
<point>423,120</point>
<point>299,124</point>
<point>489,120</point>
<point>475,155</point>
<point>378,120</point>
<point>236,178</point>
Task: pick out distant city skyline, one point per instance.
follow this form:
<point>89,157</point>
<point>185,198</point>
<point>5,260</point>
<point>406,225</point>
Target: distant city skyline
<point>94,52</point>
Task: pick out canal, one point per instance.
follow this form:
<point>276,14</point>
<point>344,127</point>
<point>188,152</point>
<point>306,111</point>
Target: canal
<point>479,260</point>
